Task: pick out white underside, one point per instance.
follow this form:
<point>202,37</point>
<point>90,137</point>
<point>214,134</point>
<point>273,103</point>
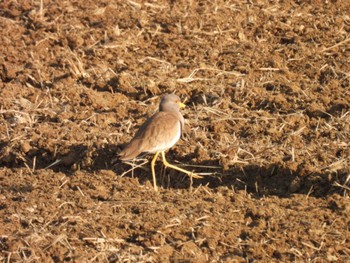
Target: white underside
<point>165,146</point>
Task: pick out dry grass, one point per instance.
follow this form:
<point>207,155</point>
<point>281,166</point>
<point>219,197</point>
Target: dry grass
<point>268,95</point>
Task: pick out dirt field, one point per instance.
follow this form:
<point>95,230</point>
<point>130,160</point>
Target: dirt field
<point>267,85</point>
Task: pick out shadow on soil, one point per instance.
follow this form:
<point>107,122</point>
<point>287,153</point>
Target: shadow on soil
<point>257,181</point>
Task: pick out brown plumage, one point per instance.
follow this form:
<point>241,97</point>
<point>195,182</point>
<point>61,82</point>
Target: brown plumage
<point>158,134</point>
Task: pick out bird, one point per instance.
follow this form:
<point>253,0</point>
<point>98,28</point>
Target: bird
<point>158,134</point>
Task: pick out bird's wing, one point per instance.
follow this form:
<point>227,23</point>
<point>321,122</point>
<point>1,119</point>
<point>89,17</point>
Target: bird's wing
<point>161,128</point>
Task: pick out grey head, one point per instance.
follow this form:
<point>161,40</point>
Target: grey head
<point>170,102</point>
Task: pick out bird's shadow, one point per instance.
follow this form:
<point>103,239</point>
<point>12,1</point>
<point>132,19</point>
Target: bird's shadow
<point>259,181</point>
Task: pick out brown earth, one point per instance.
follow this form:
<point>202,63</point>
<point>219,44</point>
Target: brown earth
<point>267,125</point>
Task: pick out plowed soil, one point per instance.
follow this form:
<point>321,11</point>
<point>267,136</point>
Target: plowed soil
<point>267,89</point>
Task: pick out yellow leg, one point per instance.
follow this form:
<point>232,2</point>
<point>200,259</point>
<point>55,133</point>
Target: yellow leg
<point>191,174</point>
<point>153,172</point>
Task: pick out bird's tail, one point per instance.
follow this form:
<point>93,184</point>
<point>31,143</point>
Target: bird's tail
<point>131,151</point>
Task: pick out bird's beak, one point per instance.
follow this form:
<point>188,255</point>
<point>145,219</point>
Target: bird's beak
<point>182,105</point>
